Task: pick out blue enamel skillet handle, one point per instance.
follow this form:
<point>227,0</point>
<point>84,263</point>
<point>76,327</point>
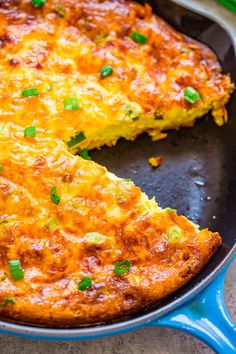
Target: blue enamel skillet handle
<point>206,317</point>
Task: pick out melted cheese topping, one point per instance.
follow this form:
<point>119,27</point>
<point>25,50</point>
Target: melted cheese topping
<point>60,49</point>
<point>100,220</point>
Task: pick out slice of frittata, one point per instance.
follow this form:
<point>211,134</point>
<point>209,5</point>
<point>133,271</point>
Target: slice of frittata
<point>79,245</point>
<point>90,72</point>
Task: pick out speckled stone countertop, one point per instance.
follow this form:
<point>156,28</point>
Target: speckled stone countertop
<point>146,340</point>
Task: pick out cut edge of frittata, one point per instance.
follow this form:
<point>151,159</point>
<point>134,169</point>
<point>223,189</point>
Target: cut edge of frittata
<point>68,220</point>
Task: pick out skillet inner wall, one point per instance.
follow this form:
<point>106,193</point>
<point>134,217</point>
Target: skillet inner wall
<point>198,176</point>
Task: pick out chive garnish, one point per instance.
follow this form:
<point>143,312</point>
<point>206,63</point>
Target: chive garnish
<point>133,115</point>
<point>106,71</point>
<point>175,233</point>
<point>76,139</point>
<point>30,92</point>
<point>30,132</point>
<point>122,267</point>
<point>170,210</point>
<point>138,37</point>
<point>7,300</point>
<point>47,87</point>
<point>94,238</point>
<point>128,111</point>
<point>191,95</point>
<point>127,179</point>
<point>52,224</point>
<point>84,154</point>
<point>0,168</point>
<point>71,104</point>
<point>38,3</point>
<point>16,270</point>
<point>54,196</point>
<point>84,283</point>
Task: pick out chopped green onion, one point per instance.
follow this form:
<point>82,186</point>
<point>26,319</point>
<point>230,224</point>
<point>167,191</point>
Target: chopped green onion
<point>94,238</point>
<point>7,300</point>
<point>106,71</point>
<point>71,104</point>
<point>52,224</point>
<point>127,179</point>
<point>138,37</point>
<point>47,87</point>
<point>191,95</point>
<point>175,233</point>
<point>122,267</point>
<point>133,115</point>
<point>84,153</point>
<point>128,111</point>
<point>54,196</point>
<point>30,92</point>
<point>15,269</point>
<point>76,140</point>
<point>3,128</point>
<point>0,168</point>
<point>170,210</point>
<point>84,283</point>
<point>30,132</point>
<point>38,3</point>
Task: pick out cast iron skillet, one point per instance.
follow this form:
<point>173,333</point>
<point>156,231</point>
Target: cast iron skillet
<point>198,178</point>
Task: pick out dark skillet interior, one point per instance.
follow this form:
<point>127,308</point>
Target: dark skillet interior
<point>198,176</point>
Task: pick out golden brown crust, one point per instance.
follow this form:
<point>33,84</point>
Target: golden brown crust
<point>65,44</point>
<point>59,49</point>
<point>51,241</point>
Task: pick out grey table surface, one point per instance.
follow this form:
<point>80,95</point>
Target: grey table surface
<point>146,340</point>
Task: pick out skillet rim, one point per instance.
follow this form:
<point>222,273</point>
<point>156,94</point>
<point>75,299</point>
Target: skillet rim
<point>140,320</point>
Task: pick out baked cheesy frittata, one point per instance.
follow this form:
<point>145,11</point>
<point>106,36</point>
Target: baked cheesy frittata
<point>79,245</point>
<point>90,72</point>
